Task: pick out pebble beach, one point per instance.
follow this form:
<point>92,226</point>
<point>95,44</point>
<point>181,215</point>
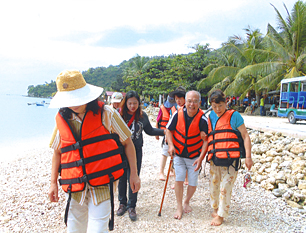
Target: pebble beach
<point>24,204</point>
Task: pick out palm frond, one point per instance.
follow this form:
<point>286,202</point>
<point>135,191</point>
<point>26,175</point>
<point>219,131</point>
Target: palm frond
<point>283,25</point>
<point>217,75</point>
<point>208,69</point>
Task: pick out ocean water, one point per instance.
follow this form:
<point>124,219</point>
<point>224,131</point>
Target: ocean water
<point>24,127</point>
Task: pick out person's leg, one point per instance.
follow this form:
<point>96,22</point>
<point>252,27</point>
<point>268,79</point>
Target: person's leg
<point>122,189</point>
<point>214,188</point>
<point>193,183</point>
<point>98,216</point>
<point>131,205</point>
<point>77,216</point>
<point>228,178</point>
<point>180,173</point>
<point>162,167</point>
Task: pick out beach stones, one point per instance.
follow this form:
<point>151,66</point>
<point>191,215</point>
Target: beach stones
<point>280,165</point>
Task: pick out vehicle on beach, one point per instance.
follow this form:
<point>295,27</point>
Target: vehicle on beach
<point>292,102</point>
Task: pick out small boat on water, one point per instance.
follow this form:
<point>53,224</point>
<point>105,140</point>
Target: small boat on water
<point>39,104</point>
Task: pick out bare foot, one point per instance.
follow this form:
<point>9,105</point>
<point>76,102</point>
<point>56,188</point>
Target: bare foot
<point>173,186</point>
<point>187,208</point>
<point>178,214</point>
<point>186,182</point>
<point>162,177</point>
<point>214,213</point>
<point>217,221</point>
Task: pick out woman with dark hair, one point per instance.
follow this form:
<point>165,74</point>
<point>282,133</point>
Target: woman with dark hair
<point>137,121</point>
<point>228,143</point>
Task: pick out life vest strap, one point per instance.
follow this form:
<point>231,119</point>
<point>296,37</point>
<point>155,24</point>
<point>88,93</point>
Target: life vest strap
<point>82,143</point>
<point>91,159</point>
<point>111,190</point>
<point>184,136</point>
<point>225,140</point>
<point>87,177</point>
<point>213,151</point>
<point>213,132</point>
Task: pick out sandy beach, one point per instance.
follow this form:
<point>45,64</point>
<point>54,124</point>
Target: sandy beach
<point>25,206</point>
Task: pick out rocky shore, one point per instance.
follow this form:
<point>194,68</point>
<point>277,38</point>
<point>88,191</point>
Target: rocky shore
<point>278,181</point>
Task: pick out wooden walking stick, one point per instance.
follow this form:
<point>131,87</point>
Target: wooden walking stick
<point>168,174</point>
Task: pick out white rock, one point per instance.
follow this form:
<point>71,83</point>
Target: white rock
<point>283,187</point>
<point>291,181</point>
<point>302,184</point>
<point>267,185</point>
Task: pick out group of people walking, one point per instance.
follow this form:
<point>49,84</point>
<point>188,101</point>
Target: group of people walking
<point>95,145</point>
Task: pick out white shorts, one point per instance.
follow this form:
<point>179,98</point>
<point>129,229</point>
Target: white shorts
<point>183,165</point>
<point>165,150</point>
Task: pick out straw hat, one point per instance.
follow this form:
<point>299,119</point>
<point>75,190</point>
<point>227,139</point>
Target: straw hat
<point>72,90</point>
<point>116,97</point>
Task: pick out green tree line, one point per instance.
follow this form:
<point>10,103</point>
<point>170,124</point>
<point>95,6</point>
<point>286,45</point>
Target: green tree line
<point>252,63</point>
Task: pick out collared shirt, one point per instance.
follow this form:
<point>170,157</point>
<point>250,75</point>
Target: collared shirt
<point>114,124</point>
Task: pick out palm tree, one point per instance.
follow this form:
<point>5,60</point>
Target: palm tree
<point>278,55</point>
<point>133,73</point>
<point>235,55</point>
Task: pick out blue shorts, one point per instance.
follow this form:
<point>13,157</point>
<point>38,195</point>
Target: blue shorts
<point>181,165</point>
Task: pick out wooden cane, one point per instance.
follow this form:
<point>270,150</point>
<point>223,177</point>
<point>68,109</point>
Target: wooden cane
<point>168,174</point>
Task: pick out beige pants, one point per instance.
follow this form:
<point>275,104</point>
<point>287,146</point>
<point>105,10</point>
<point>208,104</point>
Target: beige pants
<point>222,181</point>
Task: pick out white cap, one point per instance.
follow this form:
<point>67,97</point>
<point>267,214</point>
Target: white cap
<point>116,97</point>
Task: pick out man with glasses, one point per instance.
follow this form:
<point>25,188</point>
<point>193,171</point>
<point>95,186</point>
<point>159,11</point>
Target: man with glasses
<point>185,131</point>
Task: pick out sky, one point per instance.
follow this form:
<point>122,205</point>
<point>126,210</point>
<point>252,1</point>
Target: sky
<point>39,39</point>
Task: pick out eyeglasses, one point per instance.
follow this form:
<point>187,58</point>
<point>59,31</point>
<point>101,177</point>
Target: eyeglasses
<point>194,101</point>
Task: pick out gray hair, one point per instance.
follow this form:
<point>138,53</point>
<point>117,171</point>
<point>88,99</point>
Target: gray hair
<point>198,93</point>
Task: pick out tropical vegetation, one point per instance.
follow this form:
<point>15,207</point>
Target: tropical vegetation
<point>253,64</point>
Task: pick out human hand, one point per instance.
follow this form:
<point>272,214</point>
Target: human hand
<point>53,193</point>
<point>248,162</point>
<point>171,150</point>
<point>157,137</point>
<point>197,162</point>
<point>135,183</point>
<point>203,136</point>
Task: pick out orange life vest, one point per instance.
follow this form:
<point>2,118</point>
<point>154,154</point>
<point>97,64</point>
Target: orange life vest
<point>92,158</point>
<point>191,140</point>
<point>224,143</point>
<point>165,118</point>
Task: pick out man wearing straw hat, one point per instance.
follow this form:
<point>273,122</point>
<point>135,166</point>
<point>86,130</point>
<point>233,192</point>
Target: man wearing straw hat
<point>87,143</point>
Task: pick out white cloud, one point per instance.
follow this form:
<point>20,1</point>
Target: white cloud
<point>38,31</point>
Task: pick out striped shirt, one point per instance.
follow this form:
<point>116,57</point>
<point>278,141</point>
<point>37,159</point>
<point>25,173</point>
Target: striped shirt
<point>114,124</point>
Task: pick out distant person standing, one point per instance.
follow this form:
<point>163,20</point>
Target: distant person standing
<point>253,105</point>
<point>262,106</point>
<point>116,99</point>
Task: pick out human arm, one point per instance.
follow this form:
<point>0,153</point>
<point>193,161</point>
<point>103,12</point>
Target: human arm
<point>203,134</point>
<point>149,129</point>
<point>247,144</point>
<point>199,160</point>
<point>159,116</point>
<point>171,149</point>
<point>131,156</point>
<point>53,190</point>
